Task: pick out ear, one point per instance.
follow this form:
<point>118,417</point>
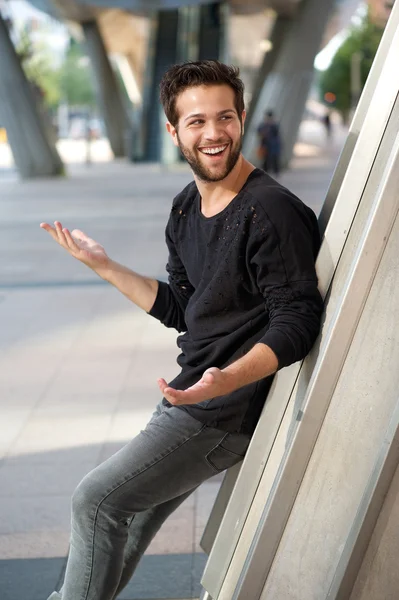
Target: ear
<point>173,133</point>
<point>243,117</point>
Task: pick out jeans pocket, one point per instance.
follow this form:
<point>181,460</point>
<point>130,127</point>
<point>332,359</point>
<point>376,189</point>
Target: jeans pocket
<point>228,452</point>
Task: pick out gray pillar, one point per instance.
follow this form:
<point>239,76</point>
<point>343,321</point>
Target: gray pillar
<point>35,155</point>
<point>281,28</point>
<point>287,87</point>
<point>211,31</point>
<point>161,55</point>
<point>189,19</point>
<point>108,92</point>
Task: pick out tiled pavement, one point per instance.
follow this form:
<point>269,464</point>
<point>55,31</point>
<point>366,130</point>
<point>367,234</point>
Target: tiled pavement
<point>78,363</point>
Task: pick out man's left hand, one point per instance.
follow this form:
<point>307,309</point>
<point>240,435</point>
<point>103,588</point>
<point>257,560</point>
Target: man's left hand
<point>214,382</point>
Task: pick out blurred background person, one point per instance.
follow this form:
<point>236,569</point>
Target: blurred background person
<point>269,143</point>
<point>327,123</point>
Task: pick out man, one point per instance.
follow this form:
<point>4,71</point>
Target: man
<point>270,143</point>
<point>243,289</point>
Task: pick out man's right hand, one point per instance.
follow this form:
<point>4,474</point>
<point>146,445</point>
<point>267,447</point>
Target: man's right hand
<point>140,290</point>
<point>79,245</point>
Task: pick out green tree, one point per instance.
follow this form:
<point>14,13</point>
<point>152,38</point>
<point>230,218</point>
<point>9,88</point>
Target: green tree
<point>38,66</point>
<point>76,78</point>
<point>337,78</point>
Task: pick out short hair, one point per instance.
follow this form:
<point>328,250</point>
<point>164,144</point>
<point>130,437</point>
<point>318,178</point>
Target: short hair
<point>195,73</point>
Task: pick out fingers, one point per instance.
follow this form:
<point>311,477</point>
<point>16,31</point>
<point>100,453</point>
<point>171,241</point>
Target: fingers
<point>60,235</point>
<point>70,241</point>
<point>49,230</point>
<point>163,386</point>
<point>169,393</point>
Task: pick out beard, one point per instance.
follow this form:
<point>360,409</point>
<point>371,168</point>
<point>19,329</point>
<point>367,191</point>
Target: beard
<point>204,173</point>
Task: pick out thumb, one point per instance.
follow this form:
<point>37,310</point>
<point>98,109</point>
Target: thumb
<point>210,376</point>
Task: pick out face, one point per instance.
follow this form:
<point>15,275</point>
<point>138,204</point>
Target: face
<point>209,131</point>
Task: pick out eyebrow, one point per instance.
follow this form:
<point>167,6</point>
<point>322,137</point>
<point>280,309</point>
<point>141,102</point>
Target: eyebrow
<point>221,112</point>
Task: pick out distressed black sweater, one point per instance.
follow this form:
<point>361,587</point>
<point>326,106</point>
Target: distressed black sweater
<point>243,276</point>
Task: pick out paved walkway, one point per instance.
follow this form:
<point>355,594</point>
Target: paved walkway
<point>78,362</point>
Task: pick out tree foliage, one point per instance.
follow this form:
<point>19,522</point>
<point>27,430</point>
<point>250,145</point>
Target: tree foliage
<point>39,69</point>
<point>337,78</point>
<point>76,83</point>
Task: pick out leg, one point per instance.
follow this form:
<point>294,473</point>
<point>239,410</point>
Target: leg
<point>142,530</point>
<point>170,458</point>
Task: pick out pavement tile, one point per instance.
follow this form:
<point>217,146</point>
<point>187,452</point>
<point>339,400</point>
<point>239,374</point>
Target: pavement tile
<point>20,581</point>
<point>91,376</point>
<point>45,433</point>
<point>64,455</point>
<point>16,417</point>
<point>176,535</point>
<point>40,543</point>
<point>62,404</point>
<point>21,480</point>
<point>35,514</point>
<point>168,576</point>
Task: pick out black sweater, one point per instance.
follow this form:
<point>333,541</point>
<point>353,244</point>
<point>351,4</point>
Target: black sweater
<point>243,276</point>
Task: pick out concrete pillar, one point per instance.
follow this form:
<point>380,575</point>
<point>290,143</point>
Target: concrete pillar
<point>211,31</point>
<point>280,30</point>
<point>163,52</point>
<point>35,155</point>
<point>188,28</point>
<point>288,84</point>
<point>108,92</point>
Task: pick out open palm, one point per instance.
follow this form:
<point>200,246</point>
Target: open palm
<point>78,244</point>
<point>213,383</point>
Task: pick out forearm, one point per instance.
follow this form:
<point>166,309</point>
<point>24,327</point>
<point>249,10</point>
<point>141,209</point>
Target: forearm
<point>258,363</point>
<point>137,288</point>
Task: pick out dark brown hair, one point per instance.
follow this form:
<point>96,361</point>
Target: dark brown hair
<point>191,74</point>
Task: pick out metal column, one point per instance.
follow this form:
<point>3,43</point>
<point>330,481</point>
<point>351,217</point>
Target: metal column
<point>109,94</point>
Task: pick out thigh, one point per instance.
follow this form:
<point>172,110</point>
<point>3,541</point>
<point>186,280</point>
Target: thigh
<point>174,454</point>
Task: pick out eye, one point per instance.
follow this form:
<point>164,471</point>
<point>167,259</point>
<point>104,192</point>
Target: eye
<point>226,118</point>
<point>196,122</point>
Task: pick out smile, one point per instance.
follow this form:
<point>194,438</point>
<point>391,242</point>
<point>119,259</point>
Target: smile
<point>214,150</point>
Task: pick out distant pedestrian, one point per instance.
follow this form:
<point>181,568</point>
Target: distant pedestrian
<point>327,123</point>
<point>270,143</point>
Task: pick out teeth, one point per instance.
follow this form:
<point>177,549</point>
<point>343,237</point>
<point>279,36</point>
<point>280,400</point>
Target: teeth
<point>213,150</point>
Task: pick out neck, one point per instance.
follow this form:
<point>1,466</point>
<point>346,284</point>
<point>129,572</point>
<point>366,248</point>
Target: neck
<point>215,196</point>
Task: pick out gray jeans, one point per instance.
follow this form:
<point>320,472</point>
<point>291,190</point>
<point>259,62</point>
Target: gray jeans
<point>119,506</point>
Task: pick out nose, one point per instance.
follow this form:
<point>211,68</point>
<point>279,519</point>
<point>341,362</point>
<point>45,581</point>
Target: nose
<point>213,131</point>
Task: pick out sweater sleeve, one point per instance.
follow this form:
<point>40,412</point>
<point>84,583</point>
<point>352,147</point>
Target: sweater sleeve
<point>283,255</point>
<point>172,297</point>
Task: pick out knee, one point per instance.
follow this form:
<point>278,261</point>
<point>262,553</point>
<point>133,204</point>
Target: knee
<point>86,498</point>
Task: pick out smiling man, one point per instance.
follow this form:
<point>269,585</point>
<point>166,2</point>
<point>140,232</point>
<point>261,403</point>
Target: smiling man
<point>242,289</point>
